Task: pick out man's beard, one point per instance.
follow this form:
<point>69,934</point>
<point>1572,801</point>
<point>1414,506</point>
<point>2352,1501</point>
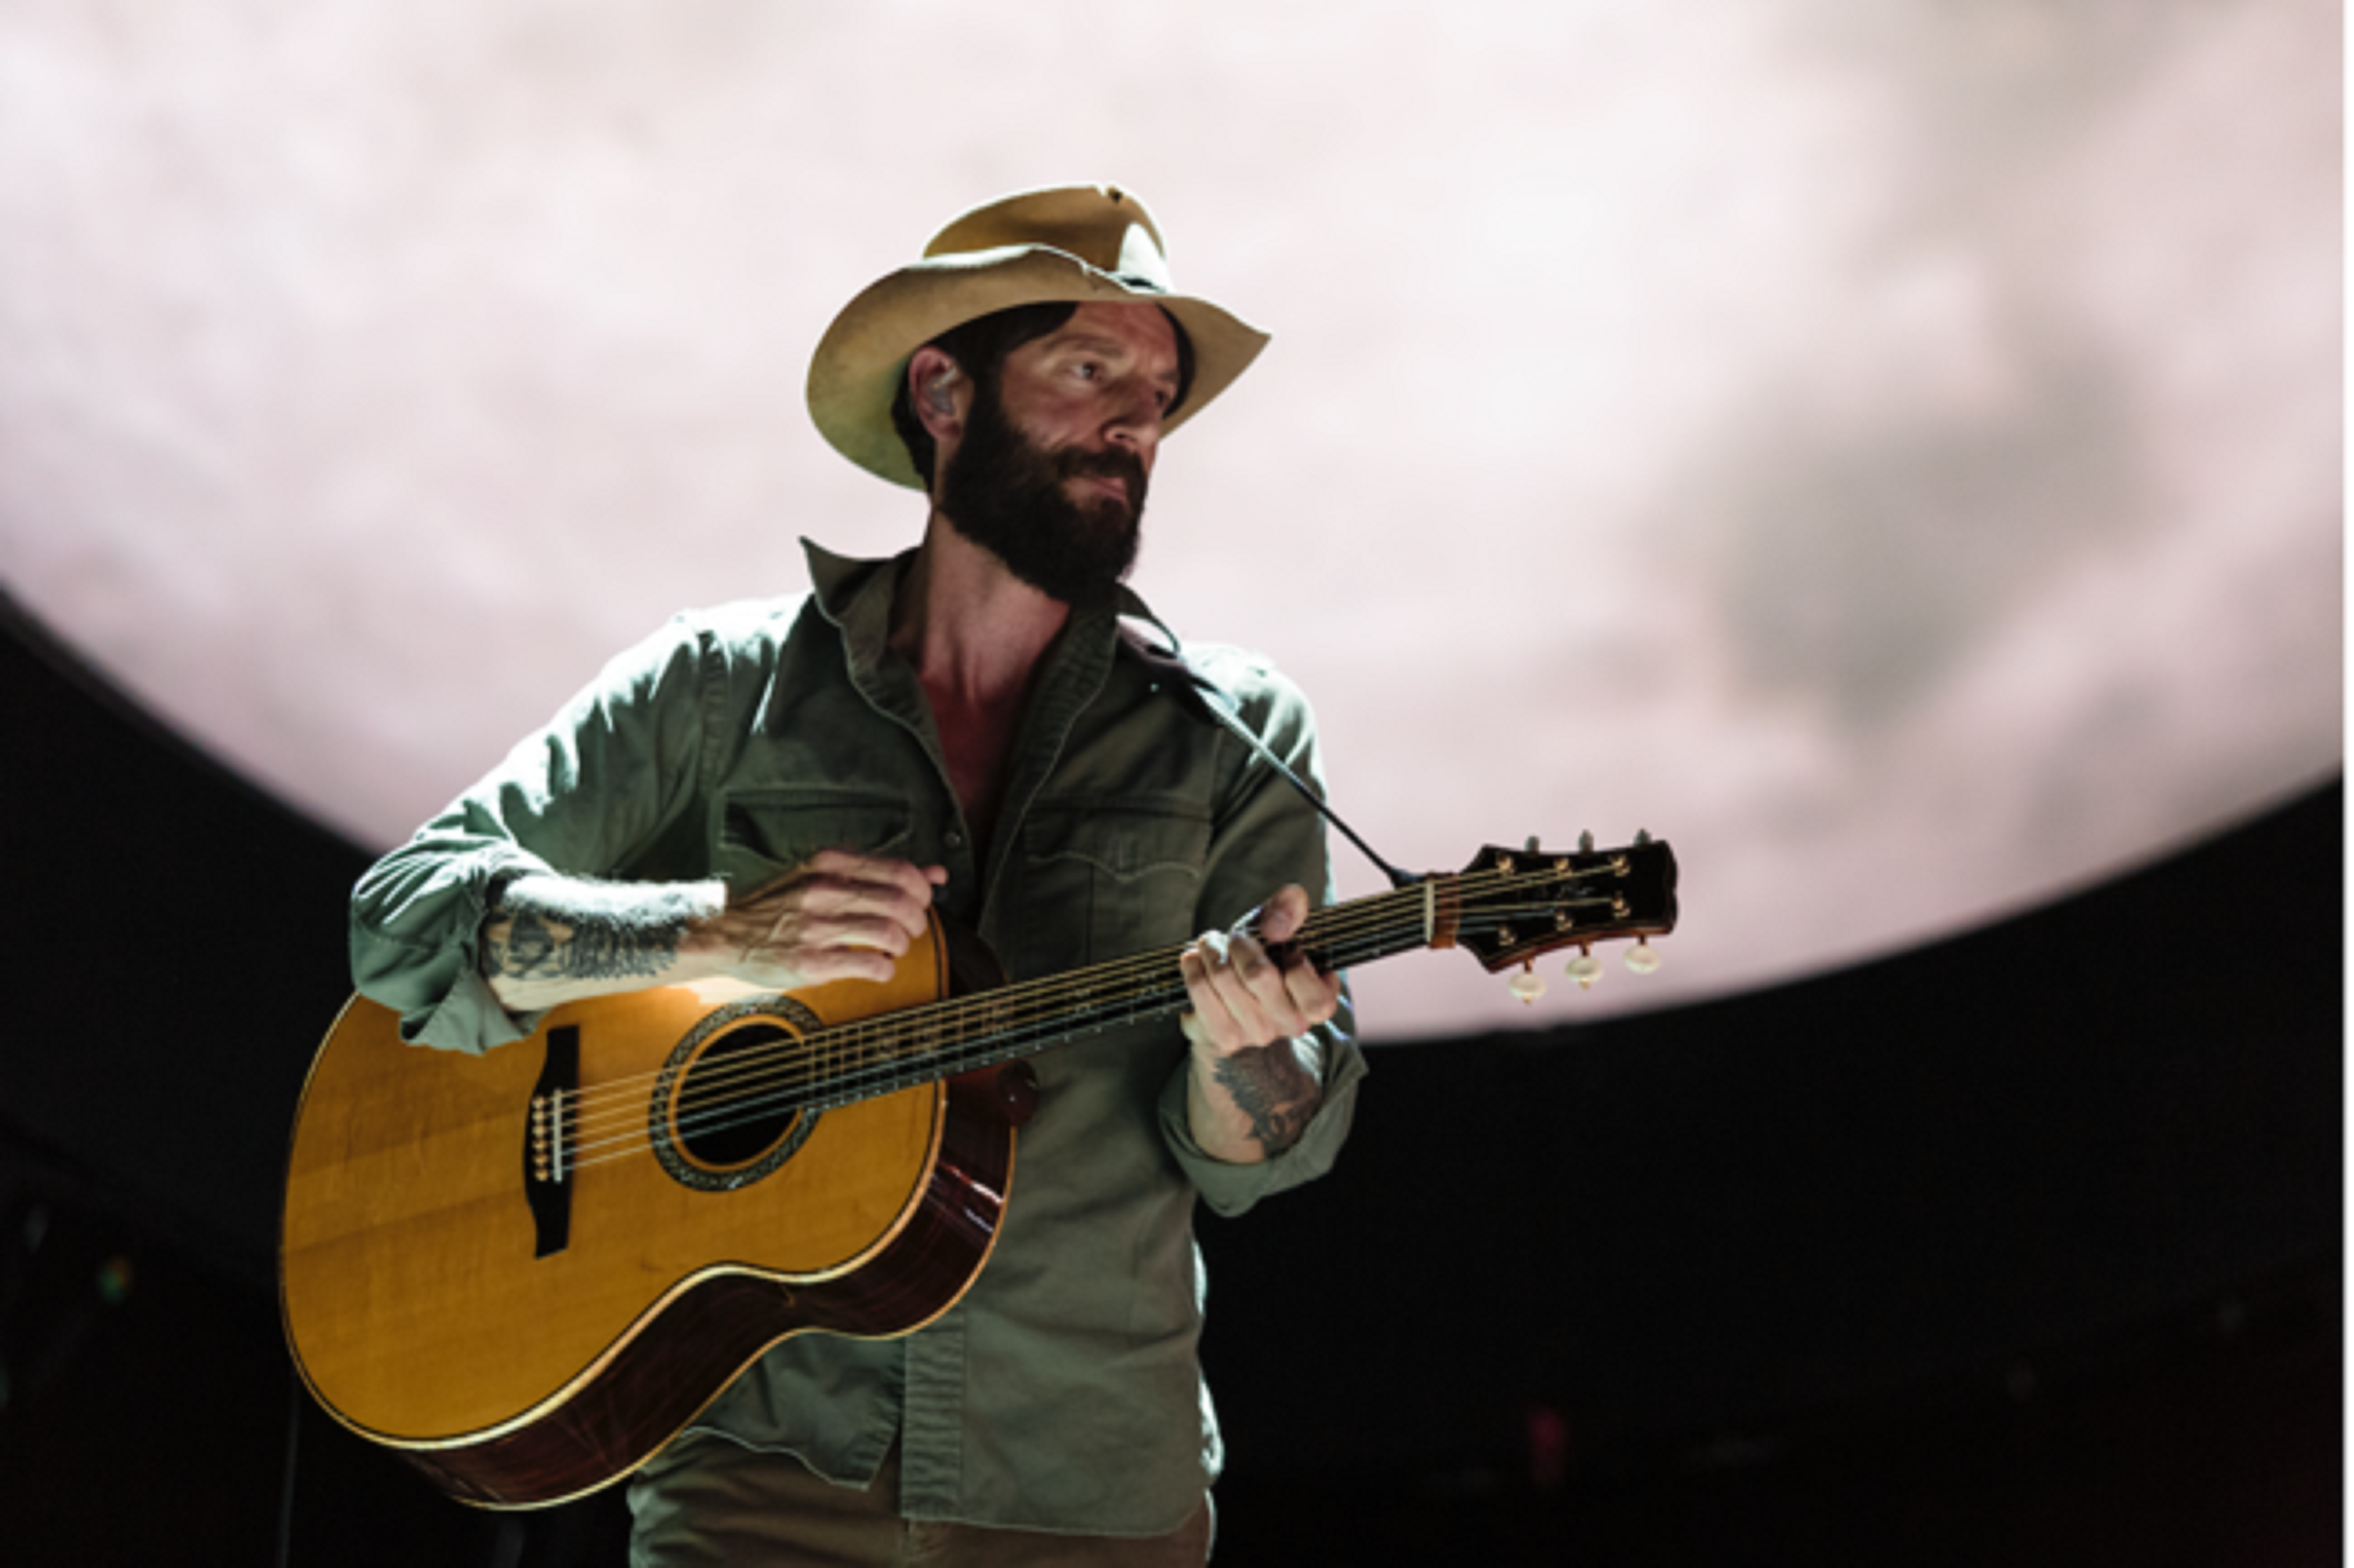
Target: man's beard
<point>1006,493</point>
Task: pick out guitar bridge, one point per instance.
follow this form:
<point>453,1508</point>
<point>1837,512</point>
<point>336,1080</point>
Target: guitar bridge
<point>548,1145</point>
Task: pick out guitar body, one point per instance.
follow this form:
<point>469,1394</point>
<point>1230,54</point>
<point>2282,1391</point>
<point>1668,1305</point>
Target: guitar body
<point>526,1333</point>
<point>525,1272</point>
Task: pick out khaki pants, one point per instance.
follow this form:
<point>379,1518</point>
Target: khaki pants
<point>731,1507</point>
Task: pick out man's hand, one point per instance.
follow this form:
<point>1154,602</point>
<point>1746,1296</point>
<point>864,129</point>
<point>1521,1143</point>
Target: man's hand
<point>837,916</point>
<point>1254,1081</point>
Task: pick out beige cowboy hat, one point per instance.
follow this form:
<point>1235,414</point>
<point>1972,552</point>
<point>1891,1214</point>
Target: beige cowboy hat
<point>1069,242</point>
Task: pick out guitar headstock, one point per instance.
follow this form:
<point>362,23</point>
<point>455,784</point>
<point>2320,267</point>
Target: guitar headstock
<point>1509,906</point>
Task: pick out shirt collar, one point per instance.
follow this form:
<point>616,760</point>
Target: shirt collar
<point>854,594</point>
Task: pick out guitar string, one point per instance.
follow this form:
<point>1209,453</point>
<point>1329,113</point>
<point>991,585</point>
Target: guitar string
<point>776,1104</point>
<point>767,1079</point>
<point>841,1072</point>
<point>944,1038</point>
<point>743,1109</point>
<point>867,1082</point>
<point>779,1071</point>
<point>1336,923</point>
<point>1152,981</point>
<point>1129,984</point>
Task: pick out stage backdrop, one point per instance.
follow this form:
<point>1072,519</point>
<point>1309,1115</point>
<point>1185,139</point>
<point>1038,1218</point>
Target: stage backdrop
<point>1888,448</point>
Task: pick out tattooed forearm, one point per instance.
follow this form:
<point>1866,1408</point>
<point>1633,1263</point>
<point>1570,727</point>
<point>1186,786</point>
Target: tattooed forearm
<point>528,945</point>
<point>550,928</point>
<point>1270,1087</point>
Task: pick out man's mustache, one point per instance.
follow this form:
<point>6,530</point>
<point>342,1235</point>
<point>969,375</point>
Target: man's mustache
<point>1113,462</point>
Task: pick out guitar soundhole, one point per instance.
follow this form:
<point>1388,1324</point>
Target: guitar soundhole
<point>726,1107</point>
<point>731,1110</point>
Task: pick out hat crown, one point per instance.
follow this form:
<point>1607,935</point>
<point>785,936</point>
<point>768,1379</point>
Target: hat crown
<point>1102,225</point>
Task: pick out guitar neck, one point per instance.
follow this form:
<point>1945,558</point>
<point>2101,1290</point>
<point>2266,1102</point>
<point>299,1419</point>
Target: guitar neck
<point>1505,908</point>
<point>901,1050</point>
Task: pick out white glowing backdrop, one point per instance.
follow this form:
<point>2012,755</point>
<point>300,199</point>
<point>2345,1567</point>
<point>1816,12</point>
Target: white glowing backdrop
<point>1889,448</point>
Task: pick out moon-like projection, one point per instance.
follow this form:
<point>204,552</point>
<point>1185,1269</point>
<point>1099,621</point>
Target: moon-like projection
<point>1890,449</point>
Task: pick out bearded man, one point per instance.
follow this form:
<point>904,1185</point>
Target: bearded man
<point>781,791</point>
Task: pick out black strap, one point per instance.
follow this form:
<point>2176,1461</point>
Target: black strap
<point>1202,695</point>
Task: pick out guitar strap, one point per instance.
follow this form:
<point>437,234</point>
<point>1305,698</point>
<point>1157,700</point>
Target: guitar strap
<point>1177,675</point>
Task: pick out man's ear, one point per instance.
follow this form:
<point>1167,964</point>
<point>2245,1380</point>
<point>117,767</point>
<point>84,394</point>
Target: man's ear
<point>938,392</point>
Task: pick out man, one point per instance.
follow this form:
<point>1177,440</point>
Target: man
<point>779,792</point>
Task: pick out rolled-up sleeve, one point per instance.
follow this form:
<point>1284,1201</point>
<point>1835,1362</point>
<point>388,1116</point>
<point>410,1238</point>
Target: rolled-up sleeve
<point>581,797</point>
<point>1230,1189</point>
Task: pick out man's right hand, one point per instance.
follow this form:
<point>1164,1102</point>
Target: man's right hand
<point>839,915</point>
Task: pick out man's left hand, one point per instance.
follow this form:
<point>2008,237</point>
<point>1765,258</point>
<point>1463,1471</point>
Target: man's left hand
<point>1256,1080</point>
<point>1243,997</point>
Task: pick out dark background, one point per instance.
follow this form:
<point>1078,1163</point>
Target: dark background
<point>2023,1247</point>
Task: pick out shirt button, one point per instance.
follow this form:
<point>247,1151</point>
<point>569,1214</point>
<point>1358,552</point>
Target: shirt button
<point>956,840</point>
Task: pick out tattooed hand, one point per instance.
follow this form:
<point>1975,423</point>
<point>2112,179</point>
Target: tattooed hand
<point>1254,1081</point>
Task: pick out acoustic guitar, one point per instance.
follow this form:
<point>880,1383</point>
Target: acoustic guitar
<point>525,1272</point>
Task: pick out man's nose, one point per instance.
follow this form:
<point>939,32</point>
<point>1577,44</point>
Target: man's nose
<point>1135,425</point>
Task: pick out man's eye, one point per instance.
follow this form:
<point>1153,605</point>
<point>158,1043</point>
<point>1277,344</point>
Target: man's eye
<point>1086,369</point>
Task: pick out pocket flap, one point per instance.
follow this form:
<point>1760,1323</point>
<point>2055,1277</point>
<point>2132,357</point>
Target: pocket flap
<point>781,826</point>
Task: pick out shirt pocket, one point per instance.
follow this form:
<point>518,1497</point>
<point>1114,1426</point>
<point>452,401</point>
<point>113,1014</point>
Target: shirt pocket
<point>769,831</point>
<point>1127,877</point>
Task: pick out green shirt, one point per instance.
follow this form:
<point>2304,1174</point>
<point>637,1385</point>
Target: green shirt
<point>1064,1391</point>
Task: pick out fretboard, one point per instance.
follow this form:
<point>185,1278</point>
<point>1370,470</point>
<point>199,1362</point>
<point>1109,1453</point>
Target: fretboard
<point>898,1051</point>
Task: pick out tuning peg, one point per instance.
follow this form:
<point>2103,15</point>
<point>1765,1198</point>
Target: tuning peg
<point>1642,957</point>
<point>1585,969</point>
<point>1527,985</point>
<point>1586,842</point>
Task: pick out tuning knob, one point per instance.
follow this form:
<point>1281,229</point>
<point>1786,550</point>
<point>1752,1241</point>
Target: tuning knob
<point>1527,985</point>
<point>1643,959</point>
<point>1585,969</point>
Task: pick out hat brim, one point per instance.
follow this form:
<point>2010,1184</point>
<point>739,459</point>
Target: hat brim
<point>854,375</point>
